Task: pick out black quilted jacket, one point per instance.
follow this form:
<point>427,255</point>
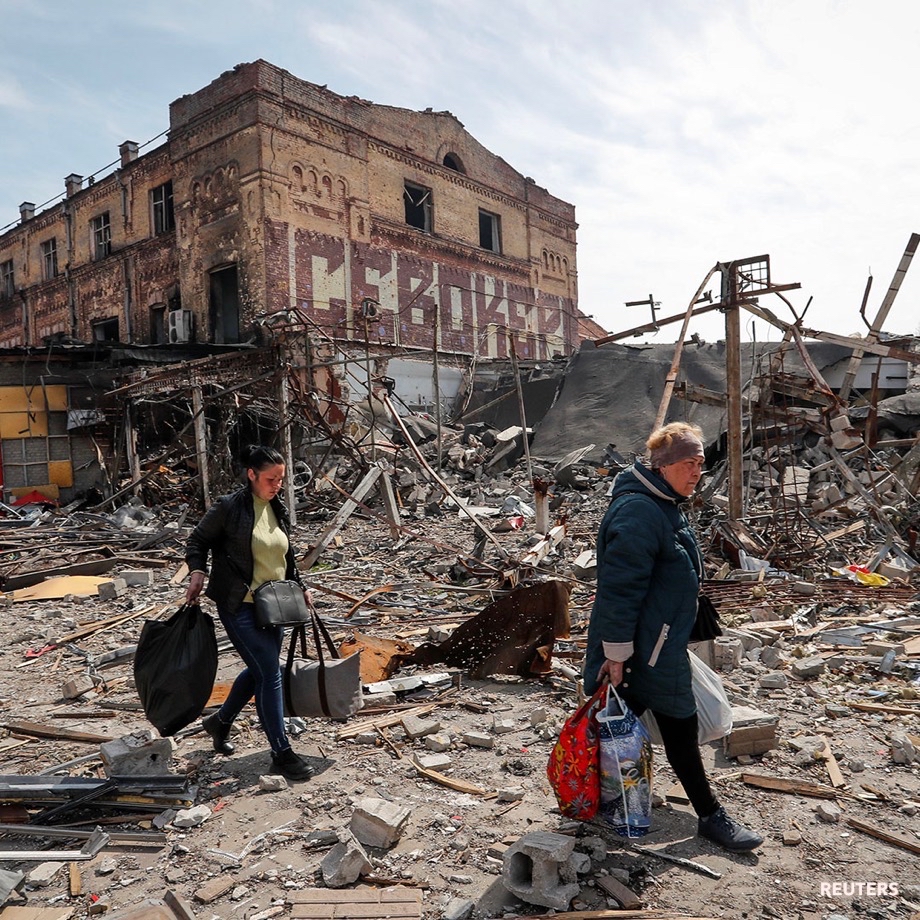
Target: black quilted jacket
<point>226,533</point>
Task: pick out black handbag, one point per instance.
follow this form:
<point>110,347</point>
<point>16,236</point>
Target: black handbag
<point>329,686</point>
<point>706,626</point>
<point>280,603</point>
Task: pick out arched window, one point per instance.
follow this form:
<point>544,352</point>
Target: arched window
<point>452,161</point>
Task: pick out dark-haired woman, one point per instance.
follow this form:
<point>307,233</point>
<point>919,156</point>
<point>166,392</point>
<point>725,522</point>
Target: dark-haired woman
<point>247,536</point>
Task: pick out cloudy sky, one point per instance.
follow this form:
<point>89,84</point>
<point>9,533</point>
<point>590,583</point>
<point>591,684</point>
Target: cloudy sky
<point>685,133</point>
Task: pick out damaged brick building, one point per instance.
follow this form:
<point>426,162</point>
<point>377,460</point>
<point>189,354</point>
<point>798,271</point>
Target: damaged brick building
<point>381,224</point>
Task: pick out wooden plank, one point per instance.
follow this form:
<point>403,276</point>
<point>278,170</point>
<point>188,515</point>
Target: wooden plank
<point>35,730</point>
<point>627,898</point>
<point>881,707</point>
<point>833,770</point>
<point>894,839</point>
<point>796,787</point>
<point>75,880</point>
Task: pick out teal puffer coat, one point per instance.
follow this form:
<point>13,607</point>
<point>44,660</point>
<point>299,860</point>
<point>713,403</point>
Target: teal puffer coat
<point>649,571</point>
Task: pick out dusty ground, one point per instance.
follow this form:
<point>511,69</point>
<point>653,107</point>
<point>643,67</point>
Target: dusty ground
<point>262,840</point>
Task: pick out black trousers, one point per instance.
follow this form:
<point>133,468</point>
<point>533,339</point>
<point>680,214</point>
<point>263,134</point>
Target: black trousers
<point>682,748</point>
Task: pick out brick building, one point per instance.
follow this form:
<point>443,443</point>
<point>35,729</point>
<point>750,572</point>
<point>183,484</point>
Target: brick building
<point>376,224</point>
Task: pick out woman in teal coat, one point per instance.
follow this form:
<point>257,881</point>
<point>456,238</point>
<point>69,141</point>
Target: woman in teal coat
<point>649,571</point>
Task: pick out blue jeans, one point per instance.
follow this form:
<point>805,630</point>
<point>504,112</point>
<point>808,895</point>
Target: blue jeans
<point>260,650</point>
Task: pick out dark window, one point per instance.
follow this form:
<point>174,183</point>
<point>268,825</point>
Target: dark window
<point>418,206</point>
<point>164,218</point>
<point>7,281</point>
<point>490,236</point>
<point>452,161</point>
<point>225,306</point>
<point>102,236</point>
<point>49,259</point>
<point>158,324</point>
<point>105,330</point>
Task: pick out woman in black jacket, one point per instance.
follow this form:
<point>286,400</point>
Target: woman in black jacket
<point>247,535</point>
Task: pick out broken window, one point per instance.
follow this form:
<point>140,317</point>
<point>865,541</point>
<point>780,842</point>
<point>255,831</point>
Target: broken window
<point>7,280</point>
<point>106,330</point>
<point>164,218</point>
<point>452,161</point>
<point>49,259</point>
<point>102,236</point>
<point>490,226</point>
<point>225,306</point>
<point>417,199</point>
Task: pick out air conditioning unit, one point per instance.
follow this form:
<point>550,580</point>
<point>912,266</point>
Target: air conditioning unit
<point>179,326</point>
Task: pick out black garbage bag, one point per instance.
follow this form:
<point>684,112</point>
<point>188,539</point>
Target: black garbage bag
<point>174,668</point>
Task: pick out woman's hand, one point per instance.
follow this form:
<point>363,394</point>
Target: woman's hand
<point>195,584</point>
<point>612,671</point>
<point>308,597</point>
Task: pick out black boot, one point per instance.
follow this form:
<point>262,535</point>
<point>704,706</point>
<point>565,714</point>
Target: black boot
<point>728,833</point>
<point>219,733</point>
<point>291,765</point>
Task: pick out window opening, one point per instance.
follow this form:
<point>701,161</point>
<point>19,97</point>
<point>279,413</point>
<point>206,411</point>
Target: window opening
<point>49,259</point>
<point>106,330</point>
<point>102,236</point>
<point>225,306</point>
<point>452,161</point>
<point>164,217</point>
<point>158,324</point>
<point>490,231</point>
<point>418,206</point>
<point>7,280</point>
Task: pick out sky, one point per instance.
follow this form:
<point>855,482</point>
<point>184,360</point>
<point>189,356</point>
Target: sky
<point>685,133</point>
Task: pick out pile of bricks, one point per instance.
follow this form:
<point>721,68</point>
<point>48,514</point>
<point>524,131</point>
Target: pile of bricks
<point>753,732</point>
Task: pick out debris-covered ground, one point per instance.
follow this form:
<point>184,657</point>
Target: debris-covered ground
<point>450,768</point>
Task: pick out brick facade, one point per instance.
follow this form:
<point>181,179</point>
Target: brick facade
<point>289,197</point>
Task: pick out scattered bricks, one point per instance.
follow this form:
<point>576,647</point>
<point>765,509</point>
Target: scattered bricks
<point>112,590</point>
<point>43,874</point>
<point>192,817</point>
<point>840,423</point>
<point>368,738</point>
<point>345,863</point>
<point>753,732</point>
<point>137,754</point>
<point>272,783</point>
<point>827,812</point>
<point>805,668</point>
<point>97,908</point>
<point>378,823</point>
<point>726,653</point>
<point>458,909</point>
<point>438,742</point>
<point>775,680</point>
<point>478,739</point>
<point>497,850</point>
<point>212,890</point>
<point>903,749</point>
<point>433,761</point>
<point>539,716</point>
<point>416,727</point>
<point>878,647</point>
<point>791,838</point>
<point>844,440</point>
<point>137,578</point>
<point>805,588</point>
<point>538,869</point>
<point>770,656</point>
<point>502,726</point>
<point>75,688</point>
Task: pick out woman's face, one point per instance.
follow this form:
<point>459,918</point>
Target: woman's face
<point>266,483</point>
<point>684,475</point>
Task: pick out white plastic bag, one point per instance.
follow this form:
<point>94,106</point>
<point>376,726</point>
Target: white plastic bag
<point>713,710</point>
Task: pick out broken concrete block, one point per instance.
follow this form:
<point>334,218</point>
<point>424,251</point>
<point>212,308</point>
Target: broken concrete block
<point>775,680</point>
<point>828,812</point>
<point>502,726</point>
<point>753,732</point>
<point>271,783</point>
<point>417,727</point>
<point>903,749</point>
<point>539,869</point>
<point>433,761</point>
<point>585,565</point>
<point>137,578</point>
<point>345,863</point>
<point>43,874</point>
<point>726,653</point>
<point>112,590</point>
<point>770,656</point>
<point>804,668</point>
<point>74,688</point>
<point>137,754</point>
<point>478,739</point>
<point>213,889</point>
<point>513,794</point>
<point>192,817</point>
<point>791,838</point>
<point>378,823</point>
<point>539,716</point>
<point>438,742</point>
<point>845,440</point>
<point>458,909</point>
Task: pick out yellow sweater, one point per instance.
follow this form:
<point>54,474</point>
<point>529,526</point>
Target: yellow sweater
<point>269,546</point>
